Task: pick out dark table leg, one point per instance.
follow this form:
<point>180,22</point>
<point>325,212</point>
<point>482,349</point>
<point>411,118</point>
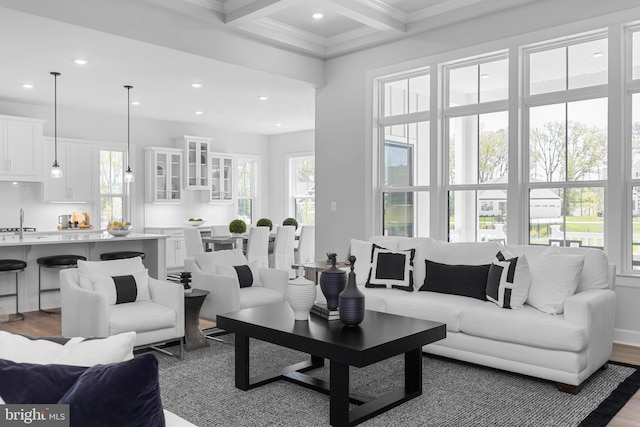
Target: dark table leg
<point>339,394</point>
<point>242,362</point>
<point>413,371</point>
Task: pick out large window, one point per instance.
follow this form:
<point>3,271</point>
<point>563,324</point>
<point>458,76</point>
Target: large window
<point>633,93</point>
<point>247,188</point>
<point>405,155</point>
<point>302,171</point>
<point>477,125</point>
<point>566,114</point>
<point>112,187</point>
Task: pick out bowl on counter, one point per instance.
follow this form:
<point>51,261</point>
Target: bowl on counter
<point>119,230</point>
<point>196,223</point>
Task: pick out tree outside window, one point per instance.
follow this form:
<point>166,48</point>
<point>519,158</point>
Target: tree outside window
<point>303,188</point>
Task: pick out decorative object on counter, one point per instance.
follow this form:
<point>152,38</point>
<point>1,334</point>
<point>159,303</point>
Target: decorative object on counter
<point>56,170</point>
<point>196,221</point>
<point>290,221</point>
<point>265,222</point>
<point>128,175</point>
<point>185,279</point>
<point>351,300</point>
<point>301,293</point>
<point>332,282</point>
<point>119,229</point>
<point>237,226</point>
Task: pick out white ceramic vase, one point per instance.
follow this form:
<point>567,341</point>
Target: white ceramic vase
<point>301,294</point>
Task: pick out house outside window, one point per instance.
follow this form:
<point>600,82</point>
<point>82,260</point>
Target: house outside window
<point>113,200</point>
<point>303,189</point>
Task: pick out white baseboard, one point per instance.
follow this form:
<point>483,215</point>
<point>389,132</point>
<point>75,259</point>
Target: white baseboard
<point>627,337</point>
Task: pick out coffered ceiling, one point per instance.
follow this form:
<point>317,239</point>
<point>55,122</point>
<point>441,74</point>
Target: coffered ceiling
<point>346,25</point>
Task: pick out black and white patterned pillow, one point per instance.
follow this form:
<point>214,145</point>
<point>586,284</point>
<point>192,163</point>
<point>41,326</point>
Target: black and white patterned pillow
<point>247,274</point>
<point>391,269</point>
<point>123,289</point>
<point>509,280</point>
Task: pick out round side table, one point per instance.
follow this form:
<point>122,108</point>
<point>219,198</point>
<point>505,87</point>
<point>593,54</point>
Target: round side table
<point>193,336</point>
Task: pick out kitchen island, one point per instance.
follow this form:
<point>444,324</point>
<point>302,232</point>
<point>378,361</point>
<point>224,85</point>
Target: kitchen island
<point>89,244</point>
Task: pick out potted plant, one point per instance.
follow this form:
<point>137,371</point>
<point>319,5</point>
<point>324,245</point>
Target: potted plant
<point>237,226</point>
<point>264,222</point>
<point>290,221</point>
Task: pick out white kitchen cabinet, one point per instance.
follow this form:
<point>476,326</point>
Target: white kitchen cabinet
<point>20,149</point>
<point>197,166</point>
<point>163,168</point>
<point>176,250</point>
<point>79,170</point>
<point>222,178</point>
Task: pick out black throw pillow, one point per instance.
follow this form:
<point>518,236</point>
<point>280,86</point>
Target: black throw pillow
<point>464,280</point>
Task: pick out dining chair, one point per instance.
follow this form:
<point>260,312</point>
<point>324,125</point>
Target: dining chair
<point>220,230</point>
<point>306,245</point>
<point>258,246</point>
<point>193,241</point>
<point>282,257</point>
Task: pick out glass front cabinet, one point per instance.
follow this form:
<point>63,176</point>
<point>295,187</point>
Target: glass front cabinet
<point>197,164</point>
<point>222,178</point>
<point>163,167</point>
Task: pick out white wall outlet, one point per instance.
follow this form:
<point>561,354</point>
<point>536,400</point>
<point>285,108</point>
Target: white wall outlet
<point>333,206</point>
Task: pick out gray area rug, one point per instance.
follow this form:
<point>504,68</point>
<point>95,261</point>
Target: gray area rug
<point>200,388</point>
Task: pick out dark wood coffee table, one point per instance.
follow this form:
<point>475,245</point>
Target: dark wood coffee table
<point>379,337</point>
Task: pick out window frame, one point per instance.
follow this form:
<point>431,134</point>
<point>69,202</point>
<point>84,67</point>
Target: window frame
<point>291,196</point>
<point>255,190</point>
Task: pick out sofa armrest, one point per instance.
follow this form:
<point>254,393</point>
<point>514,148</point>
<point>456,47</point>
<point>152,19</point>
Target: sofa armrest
<point>224,291</point>
<point>170,295</point>
<point>274,279</point>
<point>595,309</point>
<point>85,313</point>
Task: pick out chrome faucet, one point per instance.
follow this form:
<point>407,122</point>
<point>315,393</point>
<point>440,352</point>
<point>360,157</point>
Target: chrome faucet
<point>21,231</point>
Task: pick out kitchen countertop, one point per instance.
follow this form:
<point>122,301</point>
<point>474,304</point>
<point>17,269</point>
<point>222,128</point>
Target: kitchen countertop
<point>42,238</point>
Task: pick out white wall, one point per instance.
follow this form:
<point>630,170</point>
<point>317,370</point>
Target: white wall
<point>281,148</point>
<point>344,109</point>
<point>144,133</point>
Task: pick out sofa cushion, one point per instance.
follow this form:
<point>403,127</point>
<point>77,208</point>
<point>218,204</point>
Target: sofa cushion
<point>123,288</point>
<point>422,246</point>
<point>376,298</point>
<point>528,327</point>
<point>463,280</point>
<point>554,278</point>
<point>248,274</point>
<point>467,253</point>
<point>433,306</point>
<point>508,281</point>
<point>259,295</point>
<point>87,270</point>
<point>140,317</point>
<point>207,261</point>
<point>391,269</point>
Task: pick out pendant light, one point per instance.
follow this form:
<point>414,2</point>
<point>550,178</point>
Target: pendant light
<point>56,170</point>
<point>128,175</point>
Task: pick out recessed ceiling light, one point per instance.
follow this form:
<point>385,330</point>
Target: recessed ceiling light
<point>317,16</point>
<point>199,113</point>
<point>263,98</point>
<point>278,124</point>
<point>135,103</point>
<point>27,86</point>
<point>196,85</point>
<point>598,54</point>
<point>80,61</point>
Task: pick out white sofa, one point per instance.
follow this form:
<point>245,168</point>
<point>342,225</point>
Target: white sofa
<point>565,348</point>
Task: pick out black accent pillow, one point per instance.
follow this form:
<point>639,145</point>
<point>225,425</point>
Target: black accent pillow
<point>391,269</point>
<point>126,289</point>
<point>118,394</point>
<point>28,383</point>
<point>245,276</point>
<point>464,280</point>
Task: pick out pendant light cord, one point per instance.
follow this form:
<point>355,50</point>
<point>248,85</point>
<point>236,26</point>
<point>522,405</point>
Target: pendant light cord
<point>128,126</point>
<point>55,115</point>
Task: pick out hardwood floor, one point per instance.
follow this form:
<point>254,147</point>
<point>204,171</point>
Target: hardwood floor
<point>40,325</point>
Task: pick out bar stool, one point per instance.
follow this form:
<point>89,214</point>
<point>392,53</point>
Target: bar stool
<point>54,261</point>
<point>12,266</point>
<point>108,256</point>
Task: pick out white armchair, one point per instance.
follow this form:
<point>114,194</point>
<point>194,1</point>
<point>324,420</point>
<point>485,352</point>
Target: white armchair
<point>225,292</point>
<point>88,311</point>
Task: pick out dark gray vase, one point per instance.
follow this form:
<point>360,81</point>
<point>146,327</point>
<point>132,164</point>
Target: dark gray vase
<point>332,282</point>
<point>351,300</point>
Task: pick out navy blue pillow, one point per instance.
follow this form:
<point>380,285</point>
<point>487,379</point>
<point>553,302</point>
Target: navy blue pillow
<point>464,280</point>
<point>22,383</point>
<point>118,394</point>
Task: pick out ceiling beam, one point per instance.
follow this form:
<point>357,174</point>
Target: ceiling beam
<point>366,15</point>
<point>255,10</point>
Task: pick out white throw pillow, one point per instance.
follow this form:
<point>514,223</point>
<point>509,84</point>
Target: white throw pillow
<point>231,271</point>
<point>77,351</point>
<point>422,245</point>
<point>208,261</point>
<point>87,270</point>
<point>362,251</point>
<point>509,280</point>
<point>118,289</point>
<point>391,269</point>
<point>554,278</point>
